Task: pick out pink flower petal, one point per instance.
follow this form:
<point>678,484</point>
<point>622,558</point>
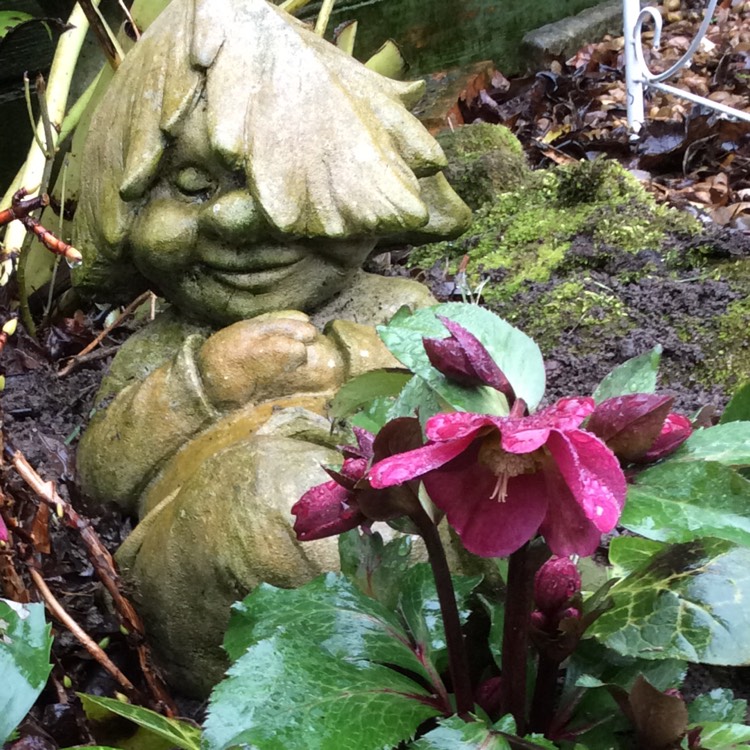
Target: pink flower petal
<point>3,531</point>
<point>487,527</point>
<point>458,424</point>
<point>593,475</point>
<point>405,466</point>
<point>565,528</point>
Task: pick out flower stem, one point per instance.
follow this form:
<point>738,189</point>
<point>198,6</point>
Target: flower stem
<point>543,703</point>
<point>518,604</point>
<point>454,638</point>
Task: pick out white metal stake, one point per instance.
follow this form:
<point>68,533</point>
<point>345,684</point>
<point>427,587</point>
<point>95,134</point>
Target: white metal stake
<point>634,81</point>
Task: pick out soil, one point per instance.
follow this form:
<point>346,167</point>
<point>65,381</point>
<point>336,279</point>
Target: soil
<point>43,414</point>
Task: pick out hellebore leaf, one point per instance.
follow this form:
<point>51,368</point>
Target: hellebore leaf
<point>514,352</point>
<point>738,409</point>
<point>677,502</point>
<point>420,608</point>
<point>728,444</point>
<point>721,736</point>
<point>9,19</point>
<point>25,644</point>
<point>718,705</point>
<point>685,603</point>
<point>418,398</point>
<point>628,553</point>
<point>309,673</point>
<point>660,719</point>
<point>159,730</point>
<point>454,733</point>
<point>637,375</point>
<point>376,568</point>
<point>365,388</point>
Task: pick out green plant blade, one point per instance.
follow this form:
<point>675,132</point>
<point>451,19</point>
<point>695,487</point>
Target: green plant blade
<point>173,732</point>
<point>25,644</point>
<point>718,705</point>
<point>637,375</point>
<point>721,736</point>
<point>515,353</point>
<point>738,409</point>
<point>309,673</point>
<point>677,502</point>
<point>330,611</point>
<point>420,608</point>
<point>683,604</point>
<point>9,19</point>
<point>628,553</point>
<point>727,444</point>
<point>365,388</point>
<point>374,567</point>
<point>456,734</point>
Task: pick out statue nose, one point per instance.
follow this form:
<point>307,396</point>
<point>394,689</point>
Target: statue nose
<point>234,217</point>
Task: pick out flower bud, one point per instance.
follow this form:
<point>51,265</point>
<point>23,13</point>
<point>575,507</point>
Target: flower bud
<point>555,584</point>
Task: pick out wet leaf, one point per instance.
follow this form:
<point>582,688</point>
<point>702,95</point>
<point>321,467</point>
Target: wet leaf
<point>376,568</point>
<point>456,734</point>
<point>727,444</point>
<point>677,502</point>
<point>365,388</point>
<point>683,605</point>
<point>420,608</point>
<point>738,409</point>
<point>637,375</point>
<point>159,731</point>
<point>628,553</point>
<point>721,736</point>
<point>25,644</point>
<point>309,672</point>
<point>515,353</point>
<point>718,705</point>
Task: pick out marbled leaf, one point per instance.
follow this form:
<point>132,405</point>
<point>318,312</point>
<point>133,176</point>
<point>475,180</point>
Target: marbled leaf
<point>637,375</point>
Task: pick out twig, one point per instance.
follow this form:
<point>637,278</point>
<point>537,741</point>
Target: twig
<point>58,611</point>
<point>98,340</point>
<point>83,359</point>
<point>105,568</point>
<point>103,34</point>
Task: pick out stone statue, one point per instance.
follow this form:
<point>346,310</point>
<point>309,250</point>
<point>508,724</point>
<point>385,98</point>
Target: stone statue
<point>243,168</point>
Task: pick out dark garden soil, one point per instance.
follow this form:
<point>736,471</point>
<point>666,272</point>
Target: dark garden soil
<point>43,413</point>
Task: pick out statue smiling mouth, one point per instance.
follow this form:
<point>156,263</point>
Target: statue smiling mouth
<point>256,268</point>
<point>254,279</point>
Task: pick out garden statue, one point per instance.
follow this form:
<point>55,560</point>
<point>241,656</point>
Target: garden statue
<point>244,168</point>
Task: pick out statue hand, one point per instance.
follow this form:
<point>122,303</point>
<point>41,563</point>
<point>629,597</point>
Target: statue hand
<point>270,356</point>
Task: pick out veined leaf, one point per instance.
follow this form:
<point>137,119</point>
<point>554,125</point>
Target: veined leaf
<point>727,444</point>
<point>25,644</point>
<point>637,375</point>
<point>685,603</point>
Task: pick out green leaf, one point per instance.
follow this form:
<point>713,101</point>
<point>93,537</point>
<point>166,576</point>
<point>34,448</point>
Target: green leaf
<point>329,611</point>
<point>721,736</point>
<point>496,612</point>
<point>718,705</point>
<point>416,398</point>
<point>685,603</point>
<point>175,732</point>
<point>9,19</point>
<point>628,553</point>
<point>515,353</point>
<point>677,502</point>
<point>727,444</point>
<point>365,388</point>
<point>738,409</point>
<point>374,416</point>
<point>375,568</point>
<point>290,693</point>
<point>637,375</point>
<point>91,747</point>
<point>456,734</point>
<point>420,608</point>
<point>25,644</point>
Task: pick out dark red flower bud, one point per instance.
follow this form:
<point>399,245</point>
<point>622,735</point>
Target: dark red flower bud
<point>488,696</point>
<point>463,358</point>
<point>638,427</point>
<point>325,510</point>
<point>555,583</point>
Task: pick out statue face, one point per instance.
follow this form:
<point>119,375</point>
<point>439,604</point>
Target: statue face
<point>203,240</point>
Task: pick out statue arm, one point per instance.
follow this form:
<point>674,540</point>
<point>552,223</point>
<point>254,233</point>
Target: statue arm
<point>145,423</point>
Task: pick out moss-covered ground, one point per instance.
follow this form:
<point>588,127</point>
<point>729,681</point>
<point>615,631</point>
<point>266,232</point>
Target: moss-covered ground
<point>583,259</point>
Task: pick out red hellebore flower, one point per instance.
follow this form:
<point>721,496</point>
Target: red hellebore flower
<point>639,428</point>
<point>501,480</point>
<point>330,508</point>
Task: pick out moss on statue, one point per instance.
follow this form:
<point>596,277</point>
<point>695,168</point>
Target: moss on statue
<point>524,234</point>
